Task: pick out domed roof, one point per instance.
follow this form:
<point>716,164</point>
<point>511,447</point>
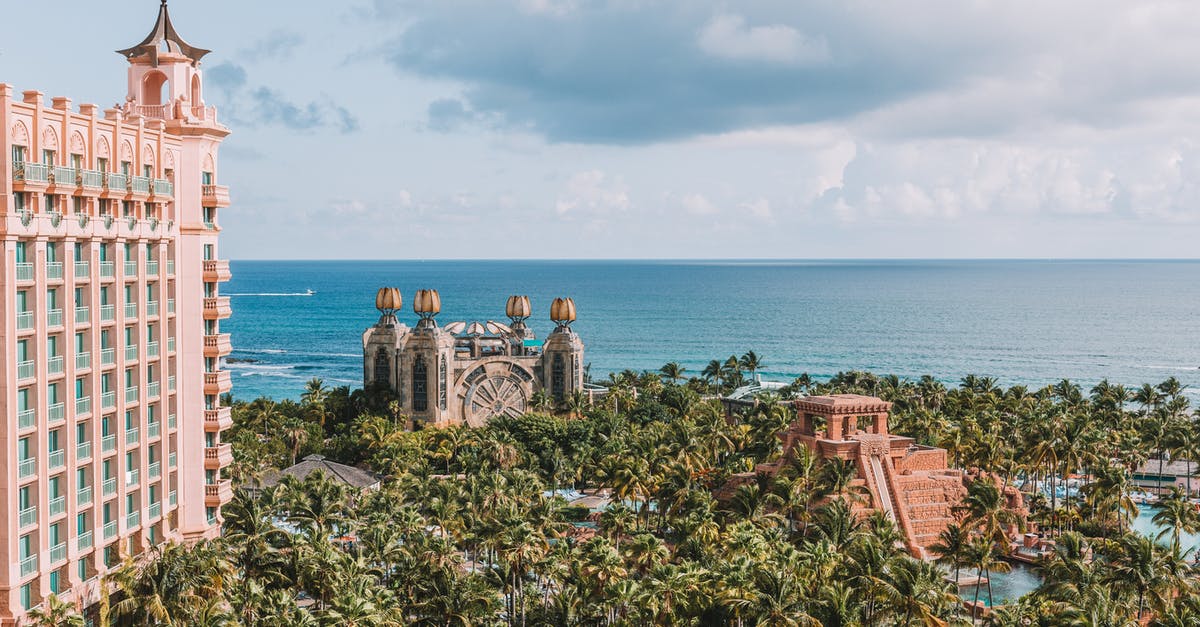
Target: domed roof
<point>427,303</point>
<point>517,307</point>
<point>562,310</point>
<point>388,299</point>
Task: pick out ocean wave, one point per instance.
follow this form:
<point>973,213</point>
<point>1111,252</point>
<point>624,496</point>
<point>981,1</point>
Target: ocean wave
<point>280,351</point>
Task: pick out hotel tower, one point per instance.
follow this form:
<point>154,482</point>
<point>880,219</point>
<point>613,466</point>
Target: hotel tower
<point>111,326</point>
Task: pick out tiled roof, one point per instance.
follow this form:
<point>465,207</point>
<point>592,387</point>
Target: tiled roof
<point>349,475</point>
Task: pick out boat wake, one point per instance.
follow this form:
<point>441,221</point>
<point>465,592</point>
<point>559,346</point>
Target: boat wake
<point>305,293</point>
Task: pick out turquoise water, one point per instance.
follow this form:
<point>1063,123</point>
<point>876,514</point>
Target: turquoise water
<point>1144,524</point>
<point>1006,587</point>
<point>1023,322</point>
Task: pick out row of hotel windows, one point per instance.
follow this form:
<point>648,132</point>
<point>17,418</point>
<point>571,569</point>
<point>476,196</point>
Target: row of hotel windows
<point>57,203</point>
<point>107,308</point>
<point>50,158</point>
<point>55,251</point>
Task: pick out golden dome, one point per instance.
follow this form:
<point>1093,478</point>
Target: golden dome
<point>388,299</point>
<point>517,307</point>
<point>562,310</point>
<point>427,303</point>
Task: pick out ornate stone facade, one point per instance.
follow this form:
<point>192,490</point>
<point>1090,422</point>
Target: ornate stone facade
<point>469,373</point>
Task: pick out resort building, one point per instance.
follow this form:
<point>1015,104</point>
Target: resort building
<point>909,482</point>
<point>111,326</point>
<point>468,373</point>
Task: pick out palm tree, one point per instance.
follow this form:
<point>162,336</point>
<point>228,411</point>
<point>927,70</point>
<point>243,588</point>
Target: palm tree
<point>1176,516</point>
<point>55,613</point>
<point>314,397</point>
<point>750,362</point>
<point>673,371</point>
<point>714,371</point>
<point>951,548</point>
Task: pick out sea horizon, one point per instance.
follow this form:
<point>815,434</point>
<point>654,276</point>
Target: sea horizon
<point>1022,321</point>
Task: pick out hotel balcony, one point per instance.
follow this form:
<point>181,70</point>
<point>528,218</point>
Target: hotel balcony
<point>218,419</point>
<point>218,457</point>
<point>26,172</point>
<point>214,196</point>
<point>83,496</point>
<point>217,345</point>
<point>218,494</point>
<point>217,308</point>
<point>24,272</point>
<point>216,271</point>
<point>217,382</point>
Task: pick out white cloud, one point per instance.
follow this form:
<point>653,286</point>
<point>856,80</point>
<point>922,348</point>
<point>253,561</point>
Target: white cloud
<point>728,37</point>
<point>592,192</point>
<point>697,204</point>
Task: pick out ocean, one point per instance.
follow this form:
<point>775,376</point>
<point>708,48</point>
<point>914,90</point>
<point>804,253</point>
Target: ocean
<point>1022,322</point>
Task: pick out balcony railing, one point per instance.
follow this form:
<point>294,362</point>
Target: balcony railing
<point>131,437</point>
<point>54,318</point>
<point>216,270</point>
<point>84,495</point>
<point>58,553</point>
<point>83,361</point>
<point>29,566</point>
<point>57,412</point>
<point>54,270</point>
<point>152,389</point>
<point>214,195</point>
<point>117,181</point>
<point>170,421</point>
<point>130,269</point>
<point>31,172</point>
<point>83,406</point>
<point>26,369</point>
<point>64,176</point>
<point>154,470</point>
<point>24,320</point>
<point>131,395</point>
<point>92,179</point>
<point>54,365</point>
<point>108,400</point>
<point>171,460</point>
<point>108,313</point>
<point>171,345</point>
<point>131,477</point>
<point>152,347</point>
<point>58,505</point>
<point>26,419</point>
<point>110,530</point>
<point>57,459</point>
<point>155,511</point>
<point>82,270</point>
<point>152,268</point>
<point>151,308</point>
<point>153,429</point>
<point>131,352</point>
<point>130,310</point>
<point>163,187</point>
<point>172,499</point>
<point>28,517</point>
<point>108,357</point>
<point>107,269</point>
<point>82,314</point>
<point>171,379</point>
<point>170,305</point>
<point>140,184</point>
<point>83,541</point>
<point>108,444</point>
<point>133,519</point>
<point>27,467</point>
<point>110,486</point>
<point>170,267</point>
<point>83,450</point>
<point>24,271</point>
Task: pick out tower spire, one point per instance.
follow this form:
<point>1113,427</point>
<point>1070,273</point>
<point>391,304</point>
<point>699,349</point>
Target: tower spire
<point>163,34</point>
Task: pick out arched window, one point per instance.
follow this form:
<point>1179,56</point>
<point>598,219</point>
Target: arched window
<point>156,90</point>
<point>383,367</point>
<point>442,371</point>
<point>196,90</point>
<point>558,378</point>
<point>420,385</point>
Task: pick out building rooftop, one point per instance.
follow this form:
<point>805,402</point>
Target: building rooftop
<point>163,35</point>
<point>844,404</point>
<point>349,475</point>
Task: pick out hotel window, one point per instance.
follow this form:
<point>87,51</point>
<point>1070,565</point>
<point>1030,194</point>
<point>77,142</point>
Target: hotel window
<point>48,157</point>
<point>209,252</point>
<point>22,350</point>
<point>105,210</point>
<point>206,178</point>
<point>104,296</point>
<point>79,251</point>
<point>24,449</point>
<point>24,499</point>
<point>51,346</point>
<point>19,202</point>
<point>18,154</point>
<point>77,205</point>
<point>420,385</point>
<point>148,171</point>
<point>102,164</point>
<point>104,252</point>
<point>77,162</point>
<point>80,296</point>
<point>81,568</point>
<point>383,368</point>
<point>52,442</point>
<point>80,387</point>
<point>22,301</point>
<point>50,203</point>
<point>106,386</point>
<point>81,521</point>
<point>126,211</point>
<point>51,252</point>
<point>126,168</point>
<point>81,436</point>
<point>22,251</point>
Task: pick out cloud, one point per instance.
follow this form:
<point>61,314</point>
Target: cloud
<point>449,114</point>
<point>728,37</point>
<point>264,106</point>
<point>698,205</point>
<point>592,193</point>
<point>278,45</point>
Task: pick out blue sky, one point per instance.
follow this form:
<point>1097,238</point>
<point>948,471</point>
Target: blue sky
<point>690,128</point>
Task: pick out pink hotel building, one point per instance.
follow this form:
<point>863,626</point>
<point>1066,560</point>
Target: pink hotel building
<point>111,326</point>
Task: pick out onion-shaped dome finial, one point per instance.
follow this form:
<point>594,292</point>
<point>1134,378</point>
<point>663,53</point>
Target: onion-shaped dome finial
<point>518,308</point>
<point>388,300</point>
<point>562,311</point>
<point>427,304</point>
